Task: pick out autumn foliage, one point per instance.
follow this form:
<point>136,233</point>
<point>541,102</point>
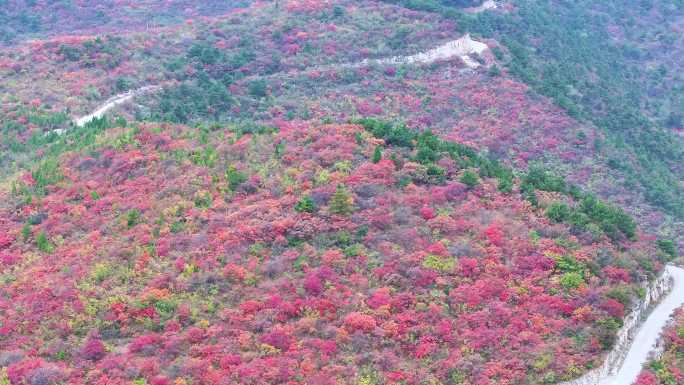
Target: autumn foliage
<point>164,266</point>
<point>669,367</point>
<point>267,247</point>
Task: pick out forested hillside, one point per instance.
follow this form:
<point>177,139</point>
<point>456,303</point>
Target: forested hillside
<point>614,64</point>
<point>343,192</point>
<point>26,19</point>
<point>275,253</point>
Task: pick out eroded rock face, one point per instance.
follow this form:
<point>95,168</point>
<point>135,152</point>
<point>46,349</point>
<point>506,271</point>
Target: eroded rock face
<point>615,358</point>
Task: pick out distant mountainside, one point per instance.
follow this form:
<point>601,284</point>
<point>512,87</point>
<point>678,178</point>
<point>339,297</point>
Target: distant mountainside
<point>616,65</point>
<point>29,19</point>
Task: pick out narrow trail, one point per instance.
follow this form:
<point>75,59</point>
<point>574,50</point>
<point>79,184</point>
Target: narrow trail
<point>649,332</point>
<point>111,103</point>
<point>462,47</point>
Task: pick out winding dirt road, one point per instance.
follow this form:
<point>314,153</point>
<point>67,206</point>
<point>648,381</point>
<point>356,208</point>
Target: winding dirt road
<point>462,47</point>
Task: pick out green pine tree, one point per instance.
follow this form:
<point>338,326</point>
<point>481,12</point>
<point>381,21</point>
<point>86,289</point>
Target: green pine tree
<point>305,205</point>
<point>377,154</point>
<point>234,177</point>
<point>470,179</point>
<point>43,243</point>
<point>341,202</point>
<point>26,231</point>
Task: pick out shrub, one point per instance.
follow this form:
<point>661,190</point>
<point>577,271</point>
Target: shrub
<point>359,321</point>
<point>614,308</point>
<point>341,202</point>
<point>43,243</point>
<point>4,377</point>
<point>456,377</point>
<point>494,71</point>
<point>647,378</point>
<point>9,259</point>
<point>234,177</point>
<point>278,339</point>
<point>36,219</point>
<point>313,285</point>
<point>305,205</point>
<point>558,212</point>
<point>607,328</point>
<point>93,349</point>
<point>132,217</point>
<point>567,263</point>
<point>400,38</point>
<point>338,11</point>
<point>203,199</point>
<point>101,271</point>
<point>377,154</point>
<point>469,178</point>
<point>462,3</point>
<point>70,53</point>
<point>620,294</point>
<point>571,280</point>
<point>257,88</point>
<point>438,263</point>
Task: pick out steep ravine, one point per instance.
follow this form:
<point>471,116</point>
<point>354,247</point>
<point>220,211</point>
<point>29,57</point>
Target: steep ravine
<point>640,332</point>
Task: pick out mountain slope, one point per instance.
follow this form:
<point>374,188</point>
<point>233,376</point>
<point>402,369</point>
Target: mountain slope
<point>24,19</point>
<point>308,254</point>
<point>294,205</point>
<point>616,65</point>
<point>293,61</point>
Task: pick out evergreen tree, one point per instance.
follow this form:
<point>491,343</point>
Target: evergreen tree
<point>668,247</point>
<point>43,243</point>
<point>234,177</point>
<point>377,154</point>
<point>558,212</point>
<point>341,202</point>
<point>305,205</point>
<point>470,179</point>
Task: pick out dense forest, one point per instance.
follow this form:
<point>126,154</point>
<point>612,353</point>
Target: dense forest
<point>337,192</point>
<point>601,65</point>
